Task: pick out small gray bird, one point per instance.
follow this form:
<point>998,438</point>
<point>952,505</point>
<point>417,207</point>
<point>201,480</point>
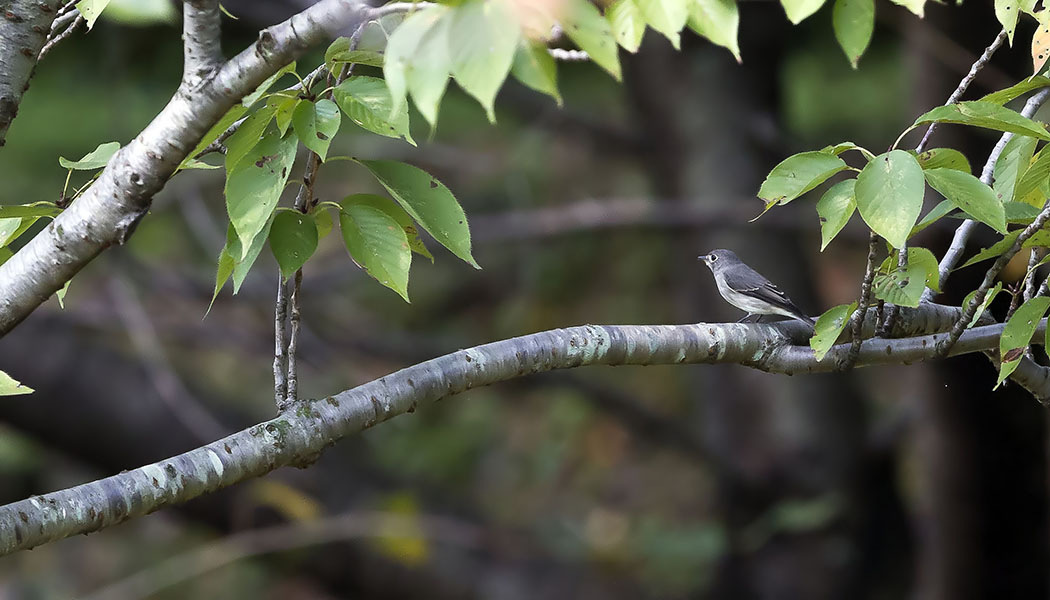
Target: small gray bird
<point>746,289</point>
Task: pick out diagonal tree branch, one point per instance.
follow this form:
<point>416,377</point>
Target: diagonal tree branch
<point>201,40</point>
<point>990,276</point>
<point>298,436</point>
<point>962,233</point>
<point>108,212</point>
<point>24,26</point>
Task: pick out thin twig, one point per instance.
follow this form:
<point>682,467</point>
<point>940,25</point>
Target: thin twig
<point>280,356</point>
<point>217,145</point>
<point>54,41</point>
<point>902,256</point>
<point>1015,301</point>
<point>962,233</point>
<point>62,20</point>
<point>989,279</point>
<point>856,320</point>
<point>293,342</point>
<point>399,7</point>
<point>1031,286</point>
<point>965,83</point>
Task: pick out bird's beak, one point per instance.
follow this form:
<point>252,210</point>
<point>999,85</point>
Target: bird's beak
<point>702,258</point>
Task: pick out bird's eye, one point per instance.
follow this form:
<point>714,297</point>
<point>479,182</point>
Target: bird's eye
<point>713,258</point>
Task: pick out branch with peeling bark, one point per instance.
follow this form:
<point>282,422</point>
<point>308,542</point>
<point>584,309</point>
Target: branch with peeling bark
<point>299,435</point>
<point>108,212</point>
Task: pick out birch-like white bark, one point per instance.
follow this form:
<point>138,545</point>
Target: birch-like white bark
<point>201,40</point>
<point>24,25</point>
<point>108,212</point>
<point>298,436</point>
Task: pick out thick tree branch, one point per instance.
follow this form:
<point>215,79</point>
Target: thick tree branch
<point>201,40</point>
<point>298,436</point>
<point>107,213</point>
<point>24,26</point>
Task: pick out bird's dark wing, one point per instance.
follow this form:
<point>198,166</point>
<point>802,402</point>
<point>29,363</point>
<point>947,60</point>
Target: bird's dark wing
<point>743,278</point>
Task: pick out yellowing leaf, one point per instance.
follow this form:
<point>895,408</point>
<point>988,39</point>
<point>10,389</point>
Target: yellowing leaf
<point>1040,46</point>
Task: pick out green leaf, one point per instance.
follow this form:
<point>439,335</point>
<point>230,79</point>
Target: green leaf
<point>367,101</point>
<point>10,387</point>
<point>251,98</point>
<point>395,212</point>
<point>535,67</point>
<point>915,6</point>
<point>35,209</point>
<point>666,16</point>
<point>969,194</point>
<point>11,229</point>
<point>841,147</point>
<point>943,158</point>
<point>1041,239</point>
<point>255,184</point>
<point>835,208</point>
<point>854,22</point>
<point>96,159</point>
<point>889,195</point>
<point>283,109</point>
<point>60,295</point>
<point>247,136</point>
<point>483,36</point>
<point>339,52</point>
<point>323,221</point>
<point>316,123</point>
<point>943,208</point>
<point>1006,11</point>
<point>992,251</point>
<point>904,287</point>
<point>1011,165</point>
<point>718,21</point>
<point>429,203</point>
<point>229,264</point>
<point>378,245</point>
<point>1017,334</point>
<point>988,298</point>
<point>418,61</point>
<point>293,240</point>
<point>586,27</point>
<point>798,10</point>
<point>1031,186</point>
<point>429,71</point>
<point>7,229</point>
<point>91,10</point>
<point>224,269</point>
<point>829,327</point>
<point>986,115</point>
<point>213,134</point>
<point>628,25</point>
<point>193,163</point>
<point>799,174</point>
<point>1020,213</point>
<point>1018,89</point>
<point>249,254</point>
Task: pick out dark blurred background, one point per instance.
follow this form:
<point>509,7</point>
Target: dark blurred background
<point>630,482</point>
